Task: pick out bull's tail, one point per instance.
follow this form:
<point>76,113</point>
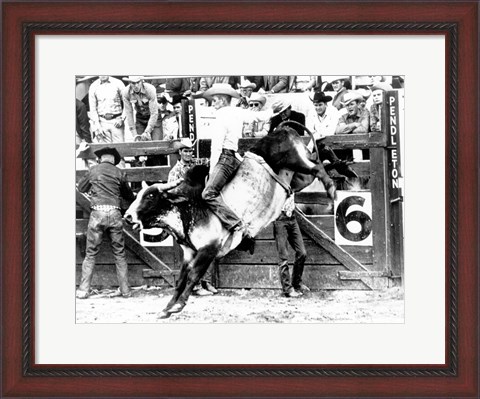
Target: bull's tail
<point>307,130</point>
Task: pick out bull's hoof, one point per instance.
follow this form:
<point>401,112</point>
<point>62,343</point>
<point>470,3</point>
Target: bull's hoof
<point>176,308</point>
<point>164,314</point>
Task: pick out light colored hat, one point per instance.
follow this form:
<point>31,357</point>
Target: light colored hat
<point>333,78</point>
<point>365,93</point>
<point>382,86</point>
<point>182,143</point>
<point>246,84</point>
<point>257,97</point>
<point>163,98</point>
<point>221,88</point>
<point>134,79</point>
<point>279,106</point>
<point>84,78</point>
<point>351,96</point>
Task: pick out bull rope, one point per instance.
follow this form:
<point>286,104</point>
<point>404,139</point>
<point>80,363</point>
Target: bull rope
<point>266,166</point>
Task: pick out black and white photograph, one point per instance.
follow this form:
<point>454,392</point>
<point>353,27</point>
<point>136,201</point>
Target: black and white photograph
<point>239,199</point>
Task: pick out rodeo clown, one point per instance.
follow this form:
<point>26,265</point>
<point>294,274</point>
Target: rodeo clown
<point>106,184</point>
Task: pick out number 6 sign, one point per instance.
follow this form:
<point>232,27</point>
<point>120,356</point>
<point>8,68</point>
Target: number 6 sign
<point>353,218</point>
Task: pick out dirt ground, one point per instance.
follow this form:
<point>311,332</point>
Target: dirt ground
<point>246,306</point>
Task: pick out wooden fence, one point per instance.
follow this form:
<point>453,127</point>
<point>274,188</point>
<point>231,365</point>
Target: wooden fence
<point>328,265</point>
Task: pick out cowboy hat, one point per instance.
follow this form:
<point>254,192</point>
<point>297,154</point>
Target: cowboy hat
<point>257,97</point>
<point>84,78</point>
<point>109,151</point>
<point>134,79</point>
<point>333,78</point>
<point>320,97</point>
<point>351,96</point>
<point>365,93</point>
<point>246,84</point>
<point>162,98</point>
<point>279,106</point>
<point>182,143</point>
<point>382,86</point>
<point>221,89</point>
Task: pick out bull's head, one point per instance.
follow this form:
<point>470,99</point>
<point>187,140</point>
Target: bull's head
<point>150,205</point>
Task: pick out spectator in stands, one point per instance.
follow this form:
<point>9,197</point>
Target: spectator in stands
<point>177,111</point>
<point>376,108</point>
<point>302,83</point>
<point>211,80</point>
<point>326,120</point>
<point>324,125</point>
<point>282,111</point>
<point>107,109</point>
<point>258,80</point>
<point>107,185</point>
<point>143,96</point>
<point>203,84</point>
<point>194,83</point>
<point>339,86</point>
<point>178,86</point>
<point>82,126</point>
<point>256,102</point>
<point>246,90</point>
<point>166,122</point>
<point>365,93</point>
<point>287,231</point>
<point>275,84</point>
<point>356,119</point>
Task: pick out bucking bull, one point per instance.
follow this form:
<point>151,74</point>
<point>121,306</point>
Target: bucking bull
<point>275,165</point>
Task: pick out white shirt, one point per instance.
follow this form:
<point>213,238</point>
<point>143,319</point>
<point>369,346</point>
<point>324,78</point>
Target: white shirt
<point>227,129</point>
<point>326,124</point>
<point>289,205</point>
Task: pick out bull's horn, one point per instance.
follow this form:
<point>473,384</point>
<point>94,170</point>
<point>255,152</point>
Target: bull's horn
<point>168,186</point>
<point>144,185</point>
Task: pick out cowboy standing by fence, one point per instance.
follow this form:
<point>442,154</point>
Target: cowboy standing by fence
<point>287,231</point>
<point>107,185</point>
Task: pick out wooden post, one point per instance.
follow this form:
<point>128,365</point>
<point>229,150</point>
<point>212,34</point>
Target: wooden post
<point>380,206</point>
<point>394,192</point>
<point>380,217</point>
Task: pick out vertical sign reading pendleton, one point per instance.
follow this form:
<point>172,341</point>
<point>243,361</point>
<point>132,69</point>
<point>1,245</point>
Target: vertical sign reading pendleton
<point>393,146</point>
<point>191,126</point>
<point>395,196</point>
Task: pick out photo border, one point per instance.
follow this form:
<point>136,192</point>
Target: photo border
<point>264,375</point>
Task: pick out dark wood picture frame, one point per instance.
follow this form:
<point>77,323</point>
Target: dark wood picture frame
<point>458,377</point>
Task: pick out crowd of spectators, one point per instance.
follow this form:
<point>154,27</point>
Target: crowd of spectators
<point>150,108</point>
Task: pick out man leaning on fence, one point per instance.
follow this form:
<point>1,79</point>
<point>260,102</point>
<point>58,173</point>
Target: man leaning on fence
<point>106,184</point>
<point>143,96</point>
